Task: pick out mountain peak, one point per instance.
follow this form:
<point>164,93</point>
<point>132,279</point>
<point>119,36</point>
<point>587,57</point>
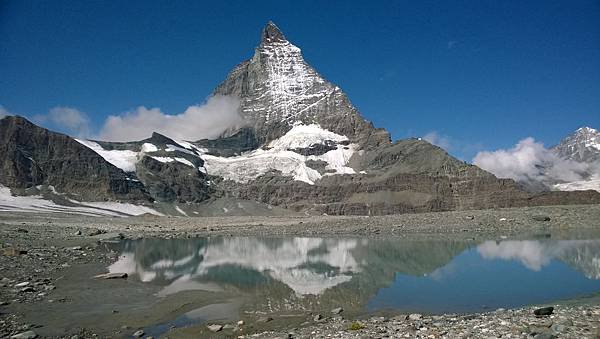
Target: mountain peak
<point>586,130</point>
<point>583,146</point>
<point>272,33</point>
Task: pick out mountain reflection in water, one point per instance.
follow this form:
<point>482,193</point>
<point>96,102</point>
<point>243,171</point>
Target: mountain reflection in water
<point>364,272</point>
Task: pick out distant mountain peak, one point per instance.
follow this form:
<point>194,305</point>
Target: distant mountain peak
<point>583,145</point>
<point>586,130</point>
<point>272,33</point>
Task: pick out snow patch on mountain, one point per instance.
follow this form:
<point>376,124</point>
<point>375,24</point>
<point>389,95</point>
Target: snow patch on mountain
<point>303,136</point>
<point>123,159</point>
<point>279,157</point>
<point>36,203</point>
<point>126,159</point>
<point>581,185</point>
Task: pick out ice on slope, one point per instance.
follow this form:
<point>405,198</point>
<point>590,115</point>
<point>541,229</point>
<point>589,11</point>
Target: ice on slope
<point>123,159</point>
<point>37,203</point>
<point>126,160</point>
<point>581,185</point>
<point>302,136</point>
<point>279,157</point>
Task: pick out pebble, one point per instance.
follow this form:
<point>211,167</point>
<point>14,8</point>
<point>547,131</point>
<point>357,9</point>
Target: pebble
<point>111,276</point>
<point>214,327</point>
<point>541,218</point>
<point>337,310</point>
<point>25,335</point>
<point>415,316</point>
<point>138,333</point>
<point>264,319</point>
<point>544,311</point>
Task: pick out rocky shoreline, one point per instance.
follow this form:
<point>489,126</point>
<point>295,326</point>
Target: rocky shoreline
<point>564,322</point>
<point>38,251</point>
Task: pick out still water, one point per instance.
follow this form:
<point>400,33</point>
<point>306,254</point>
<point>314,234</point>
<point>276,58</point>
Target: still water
<point>366,275</point>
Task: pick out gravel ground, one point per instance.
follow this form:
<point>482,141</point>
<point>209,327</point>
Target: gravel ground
<point>37,250</point>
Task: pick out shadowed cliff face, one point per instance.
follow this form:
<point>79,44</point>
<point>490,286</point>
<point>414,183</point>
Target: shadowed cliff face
<point>33,156</point>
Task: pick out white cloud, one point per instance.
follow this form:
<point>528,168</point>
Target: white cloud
<point>67,119</point>
<point>530,160</point>
<point>3,112</point>
<point>208,120</point>
<point>438,140</point>
<point>70,119</point>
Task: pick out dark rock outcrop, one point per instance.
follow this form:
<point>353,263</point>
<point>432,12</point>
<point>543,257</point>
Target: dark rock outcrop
<point>243,141</point>
<point>173,181</point>
<point>33,156</point>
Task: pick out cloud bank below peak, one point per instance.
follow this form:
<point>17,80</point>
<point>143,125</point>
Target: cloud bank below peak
<point>530,161</point>
<point>205,121</point>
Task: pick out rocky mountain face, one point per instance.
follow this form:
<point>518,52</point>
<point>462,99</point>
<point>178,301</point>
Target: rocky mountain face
<point>303,148</point>
<point>33,156</point>
<point>278,88</point>
<point>581,146</point>
<point>583,149</point>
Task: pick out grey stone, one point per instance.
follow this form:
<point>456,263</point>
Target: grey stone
<point>264,319</point>
<point>541,218</point>
<point>111,276</point>
<point>138,333</point>
<point>25,335</point>
<point>544,311</point>
<point>215,327</point>
<point>337,310</point>
<point>415,316</point>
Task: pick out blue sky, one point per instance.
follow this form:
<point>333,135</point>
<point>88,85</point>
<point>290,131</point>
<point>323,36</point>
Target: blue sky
<point>482,74</point>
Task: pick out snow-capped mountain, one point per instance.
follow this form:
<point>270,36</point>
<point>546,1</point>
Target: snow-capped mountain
<point>581,146</point>
<point>303,148</point>
<point>278,90</point>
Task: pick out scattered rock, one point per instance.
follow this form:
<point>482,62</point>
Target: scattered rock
<point>240,323</point>
<point>544,311</point>
<point>214,327</point>
<point>318,317</point>
<point>544,336</point>
<point>138,333</point>
<point>337,310</point>
<point>470,217</point>
<point>78,233</point>
<point>23,284</point>
<point>22,230</point>
<point>111,276</point>
<point>25,335</point>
